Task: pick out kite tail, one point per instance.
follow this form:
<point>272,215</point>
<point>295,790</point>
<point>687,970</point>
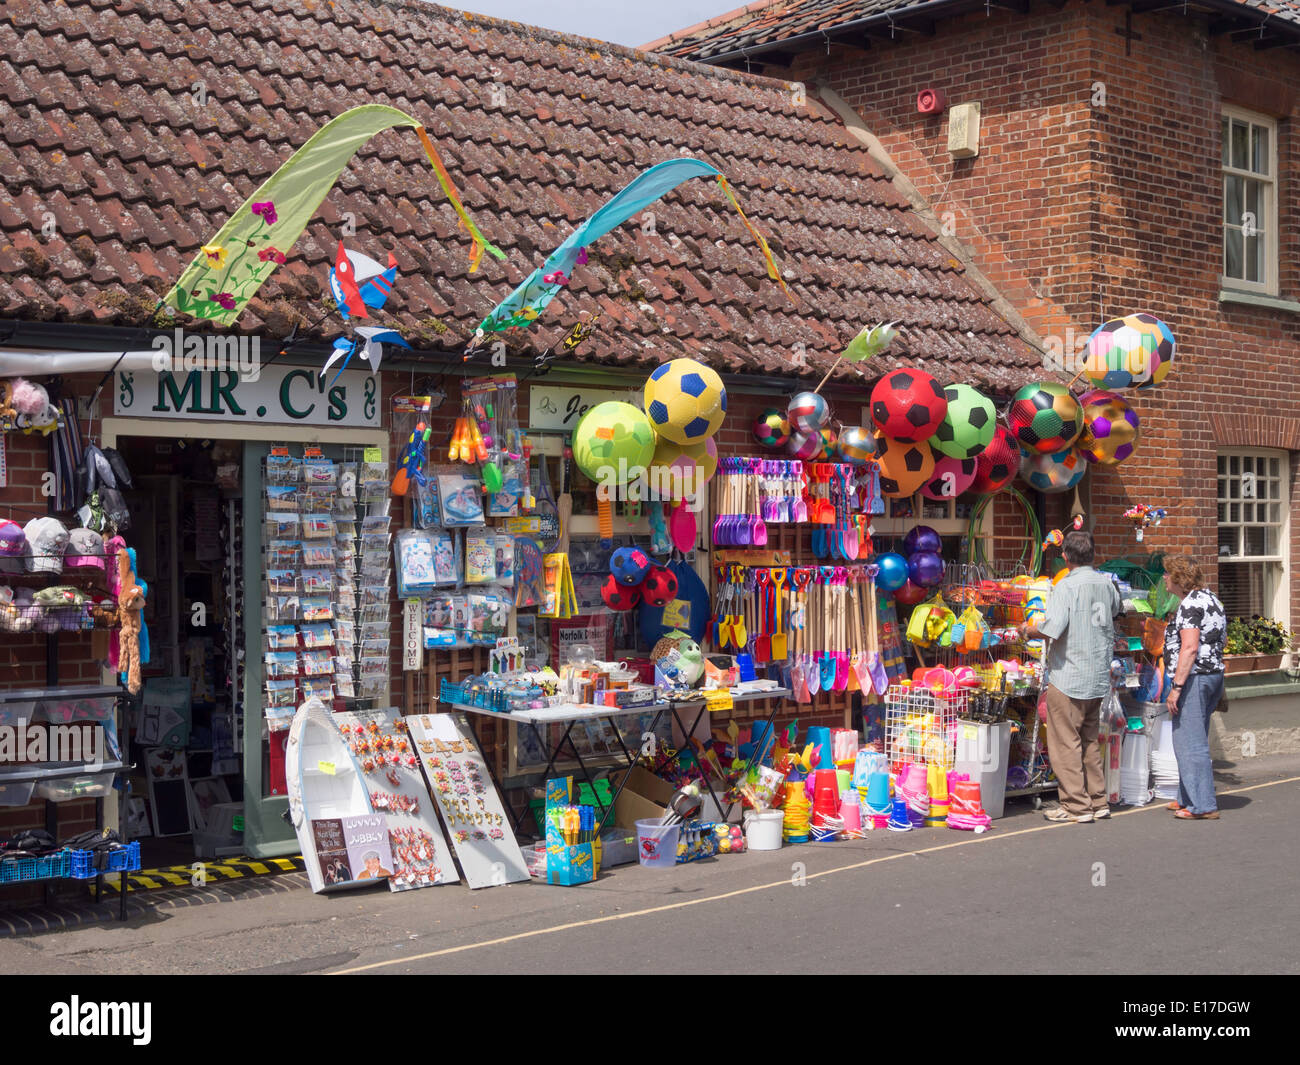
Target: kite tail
<point>481,242</point>
<point>772,271</point>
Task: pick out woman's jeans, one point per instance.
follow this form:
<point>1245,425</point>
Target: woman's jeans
<point>1200,696</point>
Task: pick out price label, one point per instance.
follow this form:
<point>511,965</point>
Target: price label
<point>373,454</point>
<point>326,767</point>
<point>970,732</point>
<point>716,701</point>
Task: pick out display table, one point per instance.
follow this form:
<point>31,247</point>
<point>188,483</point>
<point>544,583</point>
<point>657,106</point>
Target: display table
<point>567,715</point>
<point>774,694</point>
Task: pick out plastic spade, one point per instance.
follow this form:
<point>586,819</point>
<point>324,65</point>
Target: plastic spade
<point>875,664</point>
<point>763,641</point>
<point>682,528</point>
<point>780,652</point>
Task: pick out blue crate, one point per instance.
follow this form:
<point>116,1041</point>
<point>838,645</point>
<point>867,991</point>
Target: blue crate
<point>492,699</point>
<point>50,867</point>
<point>123,860</point>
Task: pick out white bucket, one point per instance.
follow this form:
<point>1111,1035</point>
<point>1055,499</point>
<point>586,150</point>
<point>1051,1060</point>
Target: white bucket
<point>763,830</point>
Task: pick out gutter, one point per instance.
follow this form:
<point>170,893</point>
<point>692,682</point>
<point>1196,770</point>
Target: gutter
<point>1224,7</point>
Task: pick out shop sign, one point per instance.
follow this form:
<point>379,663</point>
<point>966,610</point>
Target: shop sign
<point>556,407</point>
<point>280,394</point>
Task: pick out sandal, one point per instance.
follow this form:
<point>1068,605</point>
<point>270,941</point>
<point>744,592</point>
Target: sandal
<point>1173,806</point>
<point>1187,815</point>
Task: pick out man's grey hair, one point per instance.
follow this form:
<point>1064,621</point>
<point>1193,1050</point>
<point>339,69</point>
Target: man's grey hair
<point>1077,548</point>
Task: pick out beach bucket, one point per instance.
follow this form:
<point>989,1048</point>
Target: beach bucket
<point>878,792</point>
<point>820,736</point>
<point>656,844</point>
<point>763,829</point>
<point>899,821</point>
<point>843,780</point>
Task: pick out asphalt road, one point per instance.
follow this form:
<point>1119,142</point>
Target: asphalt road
<point>1141,893</point>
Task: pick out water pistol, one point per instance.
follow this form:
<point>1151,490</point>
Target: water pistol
<point>412,460</point>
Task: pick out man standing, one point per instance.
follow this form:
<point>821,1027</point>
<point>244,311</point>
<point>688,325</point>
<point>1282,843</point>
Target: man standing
<point>1080,624</point>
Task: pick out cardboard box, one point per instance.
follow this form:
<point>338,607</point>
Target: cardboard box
<point>647,796</point>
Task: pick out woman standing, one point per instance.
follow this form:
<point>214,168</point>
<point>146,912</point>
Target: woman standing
<point>1194,640</point>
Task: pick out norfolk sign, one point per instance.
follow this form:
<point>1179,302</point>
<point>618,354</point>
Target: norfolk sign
<point>278,394</point>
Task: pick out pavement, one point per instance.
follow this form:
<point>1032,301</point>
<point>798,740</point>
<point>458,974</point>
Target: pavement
<point>1139,893</point>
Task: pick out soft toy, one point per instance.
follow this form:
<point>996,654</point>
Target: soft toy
<point>130,610</point>
<point>8,413</point>
<point>34,410</point>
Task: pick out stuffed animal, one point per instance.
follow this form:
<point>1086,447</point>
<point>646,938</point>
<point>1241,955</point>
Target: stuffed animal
<point>35,412</point>
<point>8,413</point>
<point>130,610</point>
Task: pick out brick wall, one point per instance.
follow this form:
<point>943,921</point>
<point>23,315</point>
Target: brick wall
<point>1080,207</point>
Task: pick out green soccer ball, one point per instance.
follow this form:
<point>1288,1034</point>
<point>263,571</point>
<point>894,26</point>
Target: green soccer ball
<point>613,443</point>
<point>968,426</point>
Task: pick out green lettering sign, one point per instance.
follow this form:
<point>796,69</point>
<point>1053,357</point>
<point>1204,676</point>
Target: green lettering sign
<point>288,407</point>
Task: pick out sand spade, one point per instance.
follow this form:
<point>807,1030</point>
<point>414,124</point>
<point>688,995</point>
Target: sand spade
<point>763,642</point>
<point>682,528</point>
<point>855,677</point>
<point>780,652</point>
<point>739,633</point>
<point>875,664</point>
<point>807,632</point>
<point>842,669</point>
<point>798,675</point>
<point>758,527</point>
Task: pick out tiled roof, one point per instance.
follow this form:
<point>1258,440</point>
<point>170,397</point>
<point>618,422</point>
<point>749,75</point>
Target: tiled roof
<point>766,23</point>
<point>105,132</point>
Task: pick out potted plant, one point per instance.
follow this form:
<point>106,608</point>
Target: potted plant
<point>1254,645</point>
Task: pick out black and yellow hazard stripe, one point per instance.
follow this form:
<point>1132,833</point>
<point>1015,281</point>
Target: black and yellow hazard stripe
<point>212,872</point>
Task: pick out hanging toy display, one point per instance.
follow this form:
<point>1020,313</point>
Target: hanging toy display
<point>968,425</point>
<point>1045,418</point>
<point>904,466</point>
<point>1050,473</point>
<point>772,429</point>
<point>1144,517</point>
<point>856,446</point>
<point>951,478</point>
<point>908,406</point>
<point>1110,428</point>
<point>1136,351</point>
<point>891,571</point>
<point>806,447</point>
<point>997,465</point>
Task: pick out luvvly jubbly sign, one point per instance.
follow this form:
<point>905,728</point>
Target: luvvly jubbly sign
<point>282,394</point>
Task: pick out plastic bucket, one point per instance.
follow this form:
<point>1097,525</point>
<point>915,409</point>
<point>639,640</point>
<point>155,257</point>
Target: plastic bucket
<point>656,844</point>
<point>763,830</point>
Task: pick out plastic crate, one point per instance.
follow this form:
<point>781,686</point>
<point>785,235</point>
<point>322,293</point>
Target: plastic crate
<point>491,699</point>
<point>49,867</point>
<point>122,860</point>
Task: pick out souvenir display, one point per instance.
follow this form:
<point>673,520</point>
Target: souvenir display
<point>1136,351</point>
<point>1110,428</point>
<point>1044,418</point>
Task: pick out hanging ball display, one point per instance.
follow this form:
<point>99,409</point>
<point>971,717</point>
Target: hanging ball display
<point>808,412</point>
<point>685,401</point>
<point>618,596</point>
<point>611,441</point>
<point>904,466</point>
<point>908,405</point>
<point>660,586</point>
<point>921,538</point>
<point>910,594</point>
<point>951,478</point>
<point>1136,351</point>
<point>629,566</point>
<point>996,466</point>
<point>704,456</point>
<point>968,425</point>
<point>892,571</point>
<point>805,446</point>
<point>925,568</point>
<point>856,446</point>
<point>772,428</point>
<point>1057,472</point>
<point>1110,428</point>
<point>1044,417</point>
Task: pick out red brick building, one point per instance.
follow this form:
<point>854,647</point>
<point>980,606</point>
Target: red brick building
<point>1120,148</point>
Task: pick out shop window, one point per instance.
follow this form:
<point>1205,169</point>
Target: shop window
<point>1250,223</point>
<point>1253,523</point>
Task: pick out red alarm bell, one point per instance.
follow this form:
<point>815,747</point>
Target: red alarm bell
<point>930,101</point>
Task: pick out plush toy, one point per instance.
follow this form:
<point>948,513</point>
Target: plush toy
<point>130,611</point>
<point>35,412</point>
<point>8,413</point>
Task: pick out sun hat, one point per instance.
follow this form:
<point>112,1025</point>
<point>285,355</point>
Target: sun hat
<point>47,540</point>
<point>85,550</point>
<point>13,545</point>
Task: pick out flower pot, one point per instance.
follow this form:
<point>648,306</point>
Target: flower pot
<point>1251,663</point>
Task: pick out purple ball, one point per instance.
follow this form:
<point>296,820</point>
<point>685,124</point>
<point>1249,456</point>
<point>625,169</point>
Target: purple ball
<point>922,538</point>
<point>893,571</point>
<point>925,568</point>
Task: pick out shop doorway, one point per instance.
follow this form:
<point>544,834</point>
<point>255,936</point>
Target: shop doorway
<point>187,527</point>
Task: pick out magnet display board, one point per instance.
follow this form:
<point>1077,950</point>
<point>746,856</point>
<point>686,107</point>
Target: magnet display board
<point>471,806</point>
<point>389,761</point>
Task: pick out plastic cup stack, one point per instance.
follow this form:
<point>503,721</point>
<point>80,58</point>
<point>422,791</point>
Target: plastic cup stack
<point>1164,766</point>
<point>1134,770</point>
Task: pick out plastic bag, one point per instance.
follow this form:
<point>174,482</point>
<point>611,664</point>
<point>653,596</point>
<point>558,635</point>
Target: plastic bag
<point>1112,714</point>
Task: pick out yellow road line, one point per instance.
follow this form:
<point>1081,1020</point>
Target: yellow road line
<point>982,838</point>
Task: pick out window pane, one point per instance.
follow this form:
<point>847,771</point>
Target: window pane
<point>1223,467</point>
<point>1234,464</point>
<point>1225,133</point>
<point>1259,156</point>
<point>1275,467</point>
<point>1240,144</point>
<point>1233,199</point>
<point>1223,483</point>
<point>1255,258</point>
<point>1275,513</point>
<point>1234,489</point>
<point>1255,541</point>
<point>1227,540</point>
<point>1234,512</point>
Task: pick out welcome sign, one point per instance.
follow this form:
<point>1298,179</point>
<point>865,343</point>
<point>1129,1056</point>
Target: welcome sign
<point>278,394</point>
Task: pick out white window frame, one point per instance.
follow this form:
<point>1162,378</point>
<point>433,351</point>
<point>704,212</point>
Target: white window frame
<point>1281,573</point>
<point>1268,224</point>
